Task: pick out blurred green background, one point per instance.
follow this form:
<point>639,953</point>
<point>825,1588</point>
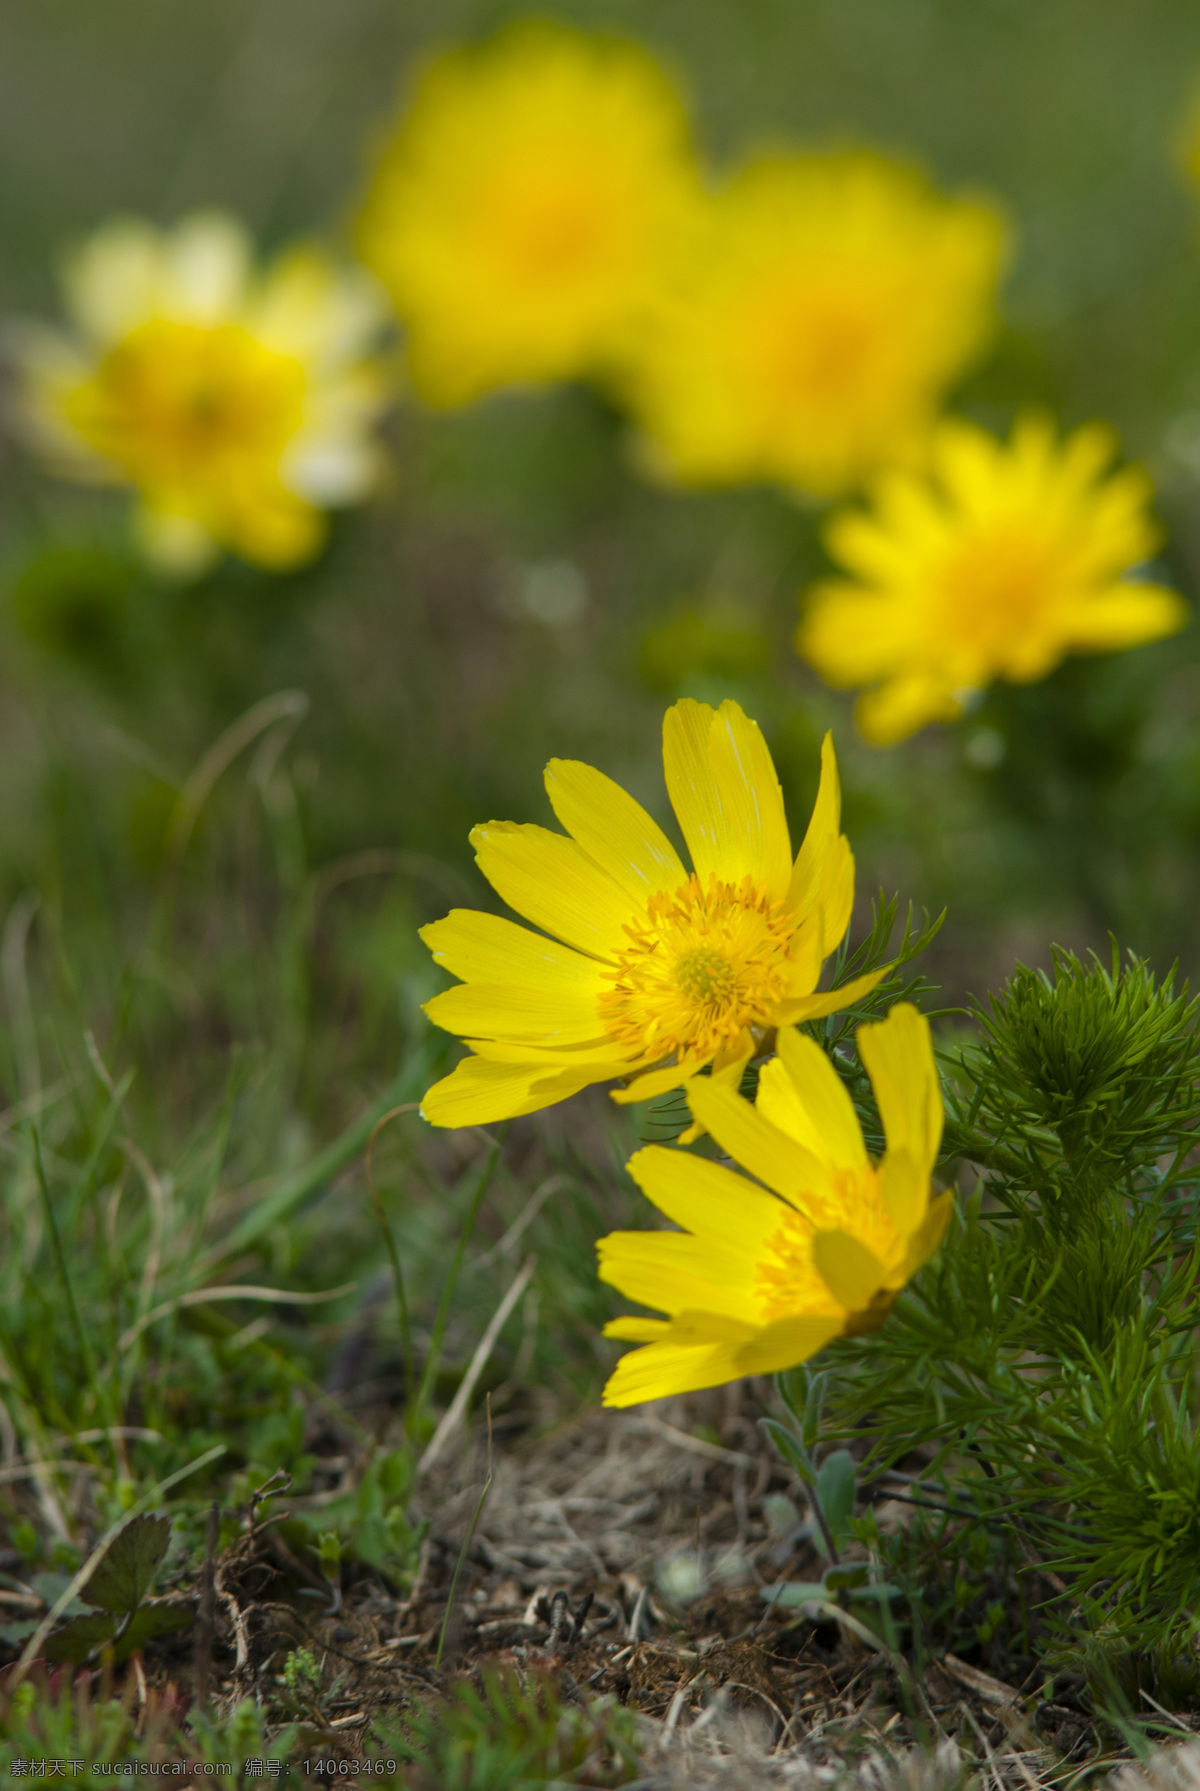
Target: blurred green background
<point>515,591</point>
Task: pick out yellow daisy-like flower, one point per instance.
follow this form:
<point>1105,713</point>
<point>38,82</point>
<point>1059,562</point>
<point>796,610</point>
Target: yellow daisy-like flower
<point>1187,140</point>
<point>997,563</point>
<point>237,405</point>
<point>760,1281</point>
<point>661,971</point>
<point>812,322</point>
<point>518,214</point>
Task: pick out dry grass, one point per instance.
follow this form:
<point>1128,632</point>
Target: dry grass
<point>619,1561</point>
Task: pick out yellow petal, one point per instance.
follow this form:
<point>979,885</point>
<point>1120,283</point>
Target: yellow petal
<point>835,895</point>
<point>806,960</point>
<point>932,1230</point>
<point>179,545</point>
<point>491,1010</point>
<point>1124,617</point>
<point>674,1272</point>
<point>709,1327</point>
<point>613,829</point>
<point>687,726</point>
<point>898,1055</point>
<point>637,1330</point>
<point>821,835</point>
<point>815,1007</point>
<point>208,258</point>
<point>655,1082</point>
<point>710,1200</point>
<point>790,1168</point>
<point>552,882</point>
<point>479,1092</point>
<point>787,1342</point>
<point>800,1092</point>
<point>486,948</point>
<point>852,1273</point>
<point>847,633</point>
<point>597,1061</point>
<point>272,528</point>
<point>677,1364</point>
<point>904,1189</point>
<point>726,1072</point>
<point>115,281</point>
<point>662,1369</point>
<point>903,705</point>
<point>724,790</point>
<point>751,796</point>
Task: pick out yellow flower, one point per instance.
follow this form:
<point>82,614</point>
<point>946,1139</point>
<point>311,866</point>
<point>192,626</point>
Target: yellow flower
<point>661,971</point>
<point>760,1281</point>
<point>236,405</point>
<point>518,213</point>
<point>812,322</point>
<point>1187,140</point>
<point>997,563</point>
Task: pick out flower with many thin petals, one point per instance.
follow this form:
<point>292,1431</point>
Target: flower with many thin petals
<point>237,405</point>
<point>762,1277</point>
<point>518,214</point>
<point>811,321</point>
<point>997,563</point>
<point>651,972</point>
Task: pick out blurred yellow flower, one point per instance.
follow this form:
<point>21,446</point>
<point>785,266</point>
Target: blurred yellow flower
<point>760,1281</point>
<point>237,405</point>
<point>812,321</point>
<point>661,972</point>
<point>997,563</point>
<point>517,215</point>
<point>1186,143</point>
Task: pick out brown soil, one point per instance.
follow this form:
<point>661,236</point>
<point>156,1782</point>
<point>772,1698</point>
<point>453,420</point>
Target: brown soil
<point>624,1556</point>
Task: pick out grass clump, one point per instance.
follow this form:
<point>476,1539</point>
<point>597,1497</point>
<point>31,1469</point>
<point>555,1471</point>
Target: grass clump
<point>509,1732</point>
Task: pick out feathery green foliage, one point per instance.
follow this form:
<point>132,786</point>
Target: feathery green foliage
<point>1048,1352</point>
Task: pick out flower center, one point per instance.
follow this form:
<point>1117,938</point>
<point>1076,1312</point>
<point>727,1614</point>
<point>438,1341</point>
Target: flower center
<point>550,223</point>
<point>994,586</point>
<point>181,401</point>
<point>707,962</point>
<point>823,349</point>
<point>705,976</point>
<point>788,1280</point>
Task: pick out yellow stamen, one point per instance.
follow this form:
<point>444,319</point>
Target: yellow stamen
<point>707,963</point>
<point>788,1279</point>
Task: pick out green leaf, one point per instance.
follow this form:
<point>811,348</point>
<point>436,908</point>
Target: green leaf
<point>795,1594</point>
<point>835,1490</point>
<point>76,1640</point>
<point>846,1578</point>
<point>813,1406</point>
<point>50,1588</point>
<point>792,1385</point>
<point>851,1580</point>
<point>791,1449</point>
<point>161,1617</point>
<point>126,1573</point>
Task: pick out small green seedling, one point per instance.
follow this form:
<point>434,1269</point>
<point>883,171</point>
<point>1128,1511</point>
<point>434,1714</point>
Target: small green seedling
<point>832,1489</point>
